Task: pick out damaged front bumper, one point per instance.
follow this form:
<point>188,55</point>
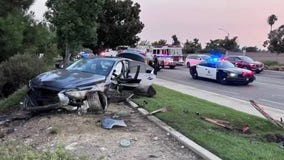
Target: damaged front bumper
<point>39,99</point>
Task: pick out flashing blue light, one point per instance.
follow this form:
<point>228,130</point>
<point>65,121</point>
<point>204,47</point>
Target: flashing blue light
<point>215,56</point>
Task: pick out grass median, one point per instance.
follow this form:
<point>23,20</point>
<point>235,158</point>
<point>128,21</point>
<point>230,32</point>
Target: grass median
<point>263,141</point>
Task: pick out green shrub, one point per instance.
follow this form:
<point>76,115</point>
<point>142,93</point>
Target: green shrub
<point>17,71</point>
<point>270,63</point>
<point>16,151</point>
<point>12,102</point>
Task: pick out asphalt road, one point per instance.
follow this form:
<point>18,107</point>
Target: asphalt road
<point>267,89</point>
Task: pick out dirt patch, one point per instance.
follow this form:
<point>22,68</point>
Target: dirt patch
<point>84,136</point>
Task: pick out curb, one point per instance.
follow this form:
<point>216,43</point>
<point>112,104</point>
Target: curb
<point>202,152</point>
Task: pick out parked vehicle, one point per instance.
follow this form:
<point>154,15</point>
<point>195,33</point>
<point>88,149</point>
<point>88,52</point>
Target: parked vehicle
<point>133,54</point>
<point>246,63</point>
<point>194,59</point>
<point>222,71</point>
<point>88,84</point>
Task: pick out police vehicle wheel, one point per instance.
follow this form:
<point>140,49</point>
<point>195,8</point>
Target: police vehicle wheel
<point>194,75</point>
<point>222,80</point>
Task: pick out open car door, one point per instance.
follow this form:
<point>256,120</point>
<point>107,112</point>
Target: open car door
<point>134,75</point>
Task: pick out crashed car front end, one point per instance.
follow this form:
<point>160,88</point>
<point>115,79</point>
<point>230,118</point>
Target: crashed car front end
<point>88,84</point>
<point>47,96</point>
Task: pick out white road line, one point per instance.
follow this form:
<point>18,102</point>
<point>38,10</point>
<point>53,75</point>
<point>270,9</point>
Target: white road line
<point>272,102</point>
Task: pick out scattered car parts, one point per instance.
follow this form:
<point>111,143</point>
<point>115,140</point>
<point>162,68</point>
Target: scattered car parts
<point>266,115</point>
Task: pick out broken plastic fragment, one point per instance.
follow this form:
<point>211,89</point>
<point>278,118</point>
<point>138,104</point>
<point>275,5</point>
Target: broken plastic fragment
<point>108,123</point>
<point>125,143</point>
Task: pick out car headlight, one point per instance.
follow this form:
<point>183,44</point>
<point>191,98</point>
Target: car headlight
<point>77,93</point>
<point>232,74</point>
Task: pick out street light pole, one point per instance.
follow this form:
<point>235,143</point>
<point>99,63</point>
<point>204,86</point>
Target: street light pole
<point>228,34</point>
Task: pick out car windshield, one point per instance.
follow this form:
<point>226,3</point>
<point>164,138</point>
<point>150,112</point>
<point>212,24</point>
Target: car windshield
<point>205,57</point>
<point>96,66</point>
<point>225,64</point>
<point>248,59</point>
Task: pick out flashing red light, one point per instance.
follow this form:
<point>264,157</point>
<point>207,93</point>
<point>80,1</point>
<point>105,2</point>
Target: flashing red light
<point>102,54</point>
<point>222,59</point>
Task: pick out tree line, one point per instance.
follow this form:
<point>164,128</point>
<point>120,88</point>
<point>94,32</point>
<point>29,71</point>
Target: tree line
<point>70,26</point>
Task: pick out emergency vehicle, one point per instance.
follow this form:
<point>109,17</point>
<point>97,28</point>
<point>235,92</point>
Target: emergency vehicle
<point>169,56</point>
<point>222,71</point>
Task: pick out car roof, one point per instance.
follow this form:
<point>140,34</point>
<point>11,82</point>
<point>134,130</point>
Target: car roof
<point>236,56</point>
<point>107,58</point>
<point>197,55</point>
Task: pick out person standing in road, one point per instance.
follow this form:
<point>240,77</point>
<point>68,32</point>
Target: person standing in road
<point>155,64</point>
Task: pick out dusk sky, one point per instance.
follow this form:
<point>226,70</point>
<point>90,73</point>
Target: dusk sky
<point>204,19</point>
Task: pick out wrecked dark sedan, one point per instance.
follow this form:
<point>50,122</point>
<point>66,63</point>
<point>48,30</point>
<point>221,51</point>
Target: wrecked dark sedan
<point>88,84</point>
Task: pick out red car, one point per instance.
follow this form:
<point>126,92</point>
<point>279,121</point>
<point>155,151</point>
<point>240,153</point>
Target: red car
<point>246,63</point>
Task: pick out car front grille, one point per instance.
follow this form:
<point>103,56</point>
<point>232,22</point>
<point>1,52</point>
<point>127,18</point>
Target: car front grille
<point>43,96</point>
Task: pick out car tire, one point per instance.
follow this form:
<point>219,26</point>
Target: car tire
<point>221,79</point>
<point>151,91</point>
<point>193,73</point>
<point>162,64</point>
<point>27,103</point>
<point>172,67</point>
<point>97,101</point>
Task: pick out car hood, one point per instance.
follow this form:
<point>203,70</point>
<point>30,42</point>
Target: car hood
<point>257,63</point>
<point>64,79</point>
<point>236,70</point>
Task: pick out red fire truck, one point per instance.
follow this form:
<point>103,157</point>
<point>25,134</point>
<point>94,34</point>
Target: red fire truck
<point>169,56</point>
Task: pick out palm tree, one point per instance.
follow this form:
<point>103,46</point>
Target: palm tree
<point>271,20</point>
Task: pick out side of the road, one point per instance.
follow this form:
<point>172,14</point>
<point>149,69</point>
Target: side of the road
<point>237,104</point>
<point>202,152</point>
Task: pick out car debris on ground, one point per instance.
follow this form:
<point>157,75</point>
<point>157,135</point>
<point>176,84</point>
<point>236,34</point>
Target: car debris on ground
<point>226,124</point>
<point>108,123</point>
<point>163,109</point>
<point>266,115</point>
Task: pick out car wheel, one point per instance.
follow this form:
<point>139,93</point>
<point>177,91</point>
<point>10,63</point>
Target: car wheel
<point>27,103</point>
<point>188,65</point>
<point>172,67</point>
<point>193,73</point>
<point>222,79</point>
<point>151,92</point>
<point>97,101</point>
<point>162,64</point>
